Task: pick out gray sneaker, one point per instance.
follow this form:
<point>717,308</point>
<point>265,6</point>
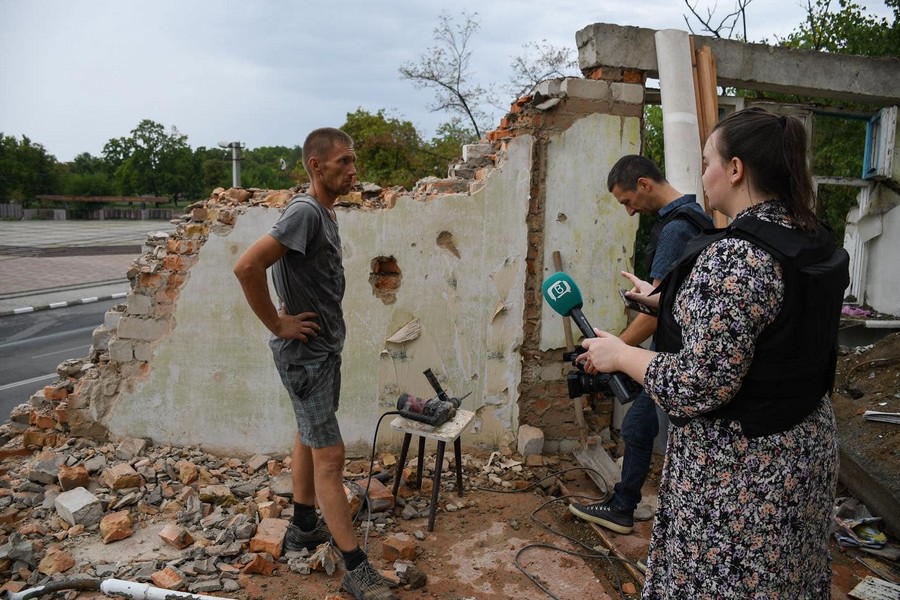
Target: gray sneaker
<point>296,539</point>
<point>365,583</point>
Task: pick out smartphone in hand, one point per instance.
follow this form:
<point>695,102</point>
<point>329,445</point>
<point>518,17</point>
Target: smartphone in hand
<point>635,305</point>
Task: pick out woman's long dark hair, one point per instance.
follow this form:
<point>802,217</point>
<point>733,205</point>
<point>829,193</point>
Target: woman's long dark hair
<point>773,150</point>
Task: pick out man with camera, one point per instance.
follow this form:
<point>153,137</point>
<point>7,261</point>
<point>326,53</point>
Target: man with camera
<point>638,185</point>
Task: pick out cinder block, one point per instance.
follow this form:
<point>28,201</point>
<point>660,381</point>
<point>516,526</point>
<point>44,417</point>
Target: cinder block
<point>531,440</point>
<point>629,93</point>
<point>589,89</point>
<point>79,506</point>
<point>142,329</point>
<point>121,350</point>
<point>549,87</point>
<point>111,319</point>
<point>472,151</point>
<point>143,351</point>
<point>139,304</point>
<point>100,338</point>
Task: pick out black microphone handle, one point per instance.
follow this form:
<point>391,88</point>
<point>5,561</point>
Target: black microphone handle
<point>585,327</point>
<point>618,379</point>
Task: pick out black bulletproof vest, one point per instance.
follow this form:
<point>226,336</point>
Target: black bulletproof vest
<point>795,357</point>
<point>685,212</point>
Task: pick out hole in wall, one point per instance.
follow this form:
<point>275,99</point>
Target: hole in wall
<point>385,278</point>
<point>445,241</point>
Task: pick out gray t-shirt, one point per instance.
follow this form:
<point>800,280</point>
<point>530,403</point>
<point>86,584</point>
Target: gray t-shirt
<point>309,278</point>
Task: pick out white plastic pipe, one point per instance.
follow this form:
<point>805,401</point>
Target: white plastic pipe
<point>143,591</point>
<point>679,111</point>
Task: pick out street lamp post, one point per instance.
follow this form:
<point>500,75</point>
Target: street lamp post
<point>235,161</point>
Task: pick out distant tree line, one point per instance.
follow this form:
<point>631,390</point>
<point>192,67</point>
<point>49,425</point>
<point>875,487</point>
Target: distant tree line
<point>157,162</point>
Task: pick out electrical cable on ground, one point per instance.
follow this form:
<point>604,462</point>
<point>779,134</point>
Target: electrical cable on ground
<point>365,497</point>
<point>591,554</point>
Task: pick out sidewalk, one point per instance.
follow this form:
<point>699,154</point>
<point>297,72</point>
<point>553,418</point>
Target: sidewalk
<point>50,264</point>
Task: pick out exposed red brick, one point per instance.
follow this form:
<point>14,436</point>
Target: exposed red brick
<point>259,565</point>
<point>633,76</point>
<point>73,477</point>
<point>56,560</point>
<point>399,546</point>
<point>168,579</point>
<point>269,536</point>
<point>176,536</point>
<point>116,526</point>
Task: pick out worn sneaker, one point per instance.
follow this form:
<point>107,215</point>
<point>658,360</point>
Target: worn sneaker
<point>296,539</point>
<point>604,515</point>
<point>365,583</point>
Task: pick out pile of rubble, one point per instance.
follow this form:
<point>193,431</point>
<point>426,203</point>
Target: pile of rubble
<point>208,523</point>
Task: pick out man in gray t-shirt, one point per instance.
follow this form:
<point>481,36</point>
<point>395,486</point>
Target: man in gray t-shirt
<point>303,249</point>
<point>310,276</point>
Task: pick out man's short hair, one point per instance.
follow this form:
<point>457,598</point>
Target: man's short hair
<point>320,142</point>
<point>628,169</point>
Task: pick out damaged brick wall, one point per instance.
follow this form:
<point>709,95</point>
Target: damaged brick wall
<point>554,108</point>
<point>517,376</point>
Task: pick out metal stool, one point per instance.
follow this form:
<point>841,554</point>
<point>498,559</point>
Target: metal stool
<point>448,432</point>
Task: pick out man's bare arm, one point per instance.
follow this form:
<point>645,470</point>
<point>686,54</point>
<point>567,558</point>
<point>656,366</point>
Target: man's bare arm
<point>250,269</point>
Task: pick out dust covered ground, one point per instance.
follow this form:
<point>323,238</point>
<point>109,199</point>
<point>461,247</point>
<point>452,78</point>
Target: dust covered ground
<point>510,536</point>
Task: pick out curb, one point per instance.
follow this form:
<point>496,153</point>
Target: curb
<point>88,300</point>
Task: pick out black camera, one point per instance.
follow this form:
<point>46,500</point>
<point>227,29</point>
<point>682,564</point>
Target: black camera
<point>623,387</point>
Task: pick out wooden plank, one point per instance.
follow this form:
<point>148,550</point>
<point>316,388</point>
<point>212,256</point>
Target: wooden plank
<point>626,562</point>
<point>570,345</point>
<point>707,98</point>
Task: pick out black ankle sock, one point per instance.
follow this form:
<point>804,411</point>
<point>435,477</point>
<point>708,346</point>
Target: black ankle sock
<point>305,517</point>
<point>353,558</point>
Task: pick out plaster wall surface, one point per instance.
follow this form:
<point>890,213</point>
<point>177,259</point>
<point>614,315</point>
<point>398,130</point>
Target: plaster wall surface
<point>883,277</point>
<point>585,222</point>
<point>212,381</point>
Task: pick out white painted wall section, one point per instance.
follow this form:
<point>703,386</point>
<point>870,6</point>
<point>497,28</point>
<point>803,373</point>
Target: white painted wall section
<point>585,222</point>
<point>212,381</point>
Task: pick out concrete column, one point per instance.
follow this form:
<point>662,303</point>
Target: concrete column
<point>680,125</point>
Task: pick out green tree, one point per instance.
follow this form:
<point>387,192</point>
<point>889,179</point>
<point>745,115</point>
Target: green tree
<point>152,161</point>
<point>847,30</point>
<point>271,167</point>
<point>215,167</point>
<point>87,175</point>
<point>389,149</point>
<point>26,170</point>
<point>446,147</point>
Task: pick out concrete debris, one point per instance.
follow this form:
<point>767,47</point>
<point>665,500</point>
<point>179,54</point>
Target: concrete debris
<point>222,519</point>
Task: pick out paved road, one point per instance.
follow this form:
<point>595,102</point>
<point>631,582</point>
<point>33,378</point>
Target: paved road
<point>35,343</point>
<point>57,279</point>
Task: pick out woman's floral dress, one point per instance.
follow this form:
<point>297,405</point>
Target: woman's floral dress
<point>738,517</point>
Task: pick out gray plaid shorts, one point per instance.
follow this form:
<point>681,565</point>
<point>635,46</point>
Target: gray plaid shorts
<point>315,391</point>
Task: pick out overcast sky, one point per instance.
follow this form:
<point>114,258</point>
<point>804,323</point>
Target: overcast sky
<point>74,74</point>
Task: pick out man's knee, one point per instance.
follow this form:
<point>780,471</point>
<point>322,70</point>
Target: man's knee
<point>329,459</point>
